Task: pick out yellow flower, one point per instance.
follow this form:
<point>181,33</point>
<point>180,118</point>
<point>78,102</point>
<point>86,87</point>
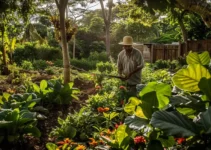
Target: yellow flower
<point>80,147</point>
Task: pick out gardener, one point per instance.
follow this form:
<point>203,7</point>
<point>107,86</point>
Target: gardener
<point>130,63</point>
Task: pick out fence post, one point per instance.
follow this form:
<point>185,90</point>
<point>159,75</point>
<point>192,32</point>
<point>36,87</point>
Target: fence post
<point>152,54</point>
<point>179,50</point>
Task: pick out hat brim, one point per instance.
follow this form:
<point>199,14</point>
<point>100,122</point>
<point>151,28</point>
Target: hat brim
<point>121,43</point>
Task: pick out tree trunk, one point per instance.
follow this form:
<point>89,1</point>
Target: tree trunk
<point>66,59</point>
<point>107,21</point>
<point>65,52</point>
<point>108,40</point>
<point>182,27</point>
<point>200,7</point>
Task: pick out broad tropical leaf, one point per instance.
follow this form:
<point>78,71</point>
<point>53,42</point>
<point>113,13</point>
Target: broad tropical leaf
<point>205,87</point>
<point>162,92</point>
<point>135,123</point>
<point>121,133</point>
<point>43,85</point>
<point>187,79</point>
<point>51,146</point>
<point>205,120</point>
<point>167,142</point>
<point>173,123</point>
<point>195,58</point>
<point>131,105</point>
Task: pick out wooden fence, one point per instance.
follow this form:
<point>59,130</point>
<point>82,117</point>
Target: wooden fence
<point>173,51</point>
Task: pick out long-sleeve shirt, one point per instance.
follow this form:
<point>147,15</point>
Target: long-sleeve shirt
<point>128,63</point>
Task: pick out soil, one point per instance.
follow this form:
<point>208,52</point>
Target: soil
<point>45,126</point>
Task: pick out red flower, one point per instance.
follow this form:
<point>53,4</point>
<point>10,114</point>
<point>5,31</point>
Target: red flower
<point>122,87</point>
<point>180,140</point>
<point>139,139</point>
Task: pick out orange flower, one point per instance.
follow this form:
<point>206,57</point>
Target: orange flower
<point>106,109</point>
<point>67,140</point>
<point>93,142</point>
<point>80,147</point>
<point>100,109</point>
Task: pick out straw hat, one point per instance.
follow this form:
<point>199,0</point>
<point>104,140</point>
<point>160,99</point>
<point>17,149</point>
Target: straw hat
<point>127,40</point>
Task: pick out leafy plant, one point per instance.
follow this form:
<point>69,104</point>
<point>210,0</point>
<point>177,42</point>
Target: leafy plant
<point>15,123</point>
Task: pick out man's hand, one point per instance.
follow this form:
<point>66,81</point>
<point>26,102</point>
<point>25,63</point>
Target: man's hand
<point>124,78</point>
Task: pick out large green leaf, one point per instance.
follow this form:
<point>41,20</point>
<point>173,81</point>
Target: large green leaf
<point>205,120</point>
<point>131,105</point>
<point>188,78</point>
<point>43,85</point>
<point>135,122</point>
<point>162,92</point>
<point>195,58</point>
<point>193,102</point>
<point>167,142</point>
<point>205,87</point>
<point>51,146</point>
<point>173,123</point>
<point>34,131</point>
<point>121,133</point>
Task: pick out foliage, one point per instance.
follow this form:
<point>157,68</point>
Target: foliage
<point>54,91</point>
<point>83,64</point>
<point>31,52</point>
<point>105,100</point>
<point>149,75</point>
<point>80,123</point>
<point>40,64</point>
<point>27,65</point>
<point>15,123</point>
<point>105,67</point>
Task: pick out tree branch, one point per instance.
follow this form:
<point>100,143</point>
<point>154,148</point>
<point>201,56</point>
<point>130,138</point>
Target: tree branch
<point>57,4</point>
<point>103,11</point>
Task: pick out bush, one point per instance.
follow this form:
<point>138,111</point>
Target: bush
<point>58,63</point>
<point>46,52</point>
<point>95,56</point>
<point>40,64</point>
<point>105,67</point>
<point>27,65</point>
<point>31,51</point>
<point>83,64</point>
<point>25,52</point>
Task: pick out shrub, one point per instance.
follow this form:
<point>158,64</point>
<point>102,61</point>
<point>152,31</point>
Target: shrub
<point>27,65</point>
<point>40,64</point>
<point>83,64</point>
<point>95,56</point>
<point>58,63</point>
<point>31,51</point>
<point>105,67</point>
